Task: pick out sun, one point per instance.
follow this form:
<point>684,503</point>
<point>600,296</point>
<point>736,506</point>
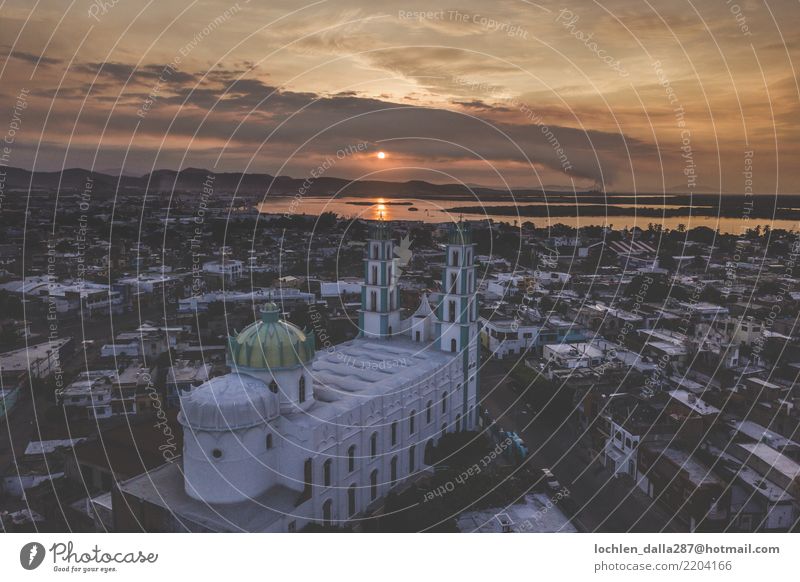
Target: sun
<point>381,155</point>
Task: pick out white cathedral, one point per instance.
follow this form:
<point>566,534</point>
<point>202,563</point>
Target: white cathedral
<point>292,436</point>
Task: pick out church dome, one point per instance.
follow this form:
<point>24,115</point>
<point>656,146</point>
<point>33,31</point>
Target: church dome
<point>271,343</point>
<point>229,402</point>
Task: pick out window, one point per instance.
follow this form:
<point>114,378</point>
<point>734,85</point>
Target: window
<point>373,485</point>
<point>216,453</point>
<point>389,281</point>
<point>393,471</point>
<point>453,345</point>
<point>428,458</point>
<point>375,275</point>
<point>452,314</point>
<point>417,336</point>
<point>302,391</point>
<point>269,441</point>
<point>307,479</point>
<point>428,411</point>
<point>374,300</point>
<point>458,423</point>
<point>394,433</point>
<point>452,282</point>
<point>373,445</point>
<point>327,512</point>
<point>273,387</point>
<point>412,457</point>
<point>351,500</point>
<point>444,402</point>
<point>411,421</point>
<point>351,458</point>
<point>455,258</point>
<point>444,429</point>
<point>326,472</point>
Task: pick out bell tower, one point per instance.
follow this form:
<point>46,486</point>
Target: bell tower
<point>379,316</point>
<point>458,312</point>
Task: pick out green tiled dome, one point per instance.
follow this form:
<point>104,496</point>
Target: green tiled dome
<point>271,343</point>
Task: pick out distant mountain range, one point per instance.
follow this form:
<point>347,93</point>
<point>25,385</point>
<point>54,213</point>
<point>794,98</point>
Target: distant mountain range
<point>260,185</point>
<point>192,180</point>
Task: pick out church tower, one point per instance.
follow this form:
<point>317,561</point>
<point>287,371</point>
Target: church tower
<point>458,312</point>
<point>380,314</point>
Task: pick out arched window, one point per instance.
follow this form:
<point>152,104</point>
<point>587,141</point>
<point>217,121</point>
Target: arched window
<point>327,468</point>
<point>394,433</point>
<point>444,402</point>
<point>351,458</point>
<point>374,251</point>
<point>374,300</point>
<point>302,389</point>
<point>393,471</point>
<point>429,411</point>
<point>375,275</point>
<point>269,441</point>
<point>351,500</point>
<point>273,387</point>
<point>458,423</point>
<point>412,458</point>
<point>455,258</point>
<point>373,485</point>
<point>308,478</point>
<point>327,512</point>
<point>411,422</point>
<point>452,315</point>
<point>428,460</point>
<point>453,345</point>
<point>373,445</point>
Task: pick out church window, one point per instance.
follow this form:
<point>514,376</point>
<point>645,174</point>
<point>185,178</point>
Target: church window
<point>411,421</point>
<point>455,258</point>
<point>444,402</point>
<point>374,299</point>
<point>327,512</point>
<point>327,467</point>
<point>428,459</point>
<point>351,500</point>
<point>373,445</point>
<point>375,275</point>
<point>302,395</point>
<point>394,433</point>
<point>307,479</point>
<point>453,345</point>
<point>452,316</point>
<point>393,471</point>
<point>412,457</point>
<point>351,458</point>
<point>428,411</point>
<point>373,485</point>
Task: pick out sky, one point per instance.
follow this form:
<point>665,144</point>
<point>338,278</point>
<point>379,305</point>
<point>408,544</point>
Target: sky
<point>636,96</point>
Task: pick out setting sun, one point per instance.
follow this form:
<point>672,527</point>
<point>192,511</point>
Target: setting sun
<point>381,155</point>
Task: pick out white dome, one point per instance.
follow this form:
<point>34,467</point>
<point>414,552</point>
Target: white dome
<point>229,402</point>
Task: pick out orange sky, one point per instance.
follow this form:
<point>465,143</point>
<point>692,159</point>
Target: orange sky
<point>644,96</point>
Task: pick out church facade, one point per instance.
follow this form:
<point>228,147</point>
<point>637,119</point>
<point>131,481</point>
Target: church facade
<point>293,436</point>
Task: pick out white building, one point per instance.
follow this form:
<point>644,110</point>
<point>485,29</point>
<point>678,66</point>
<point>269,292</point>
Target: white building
<point>228,270</point>
<point>292,437</point>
